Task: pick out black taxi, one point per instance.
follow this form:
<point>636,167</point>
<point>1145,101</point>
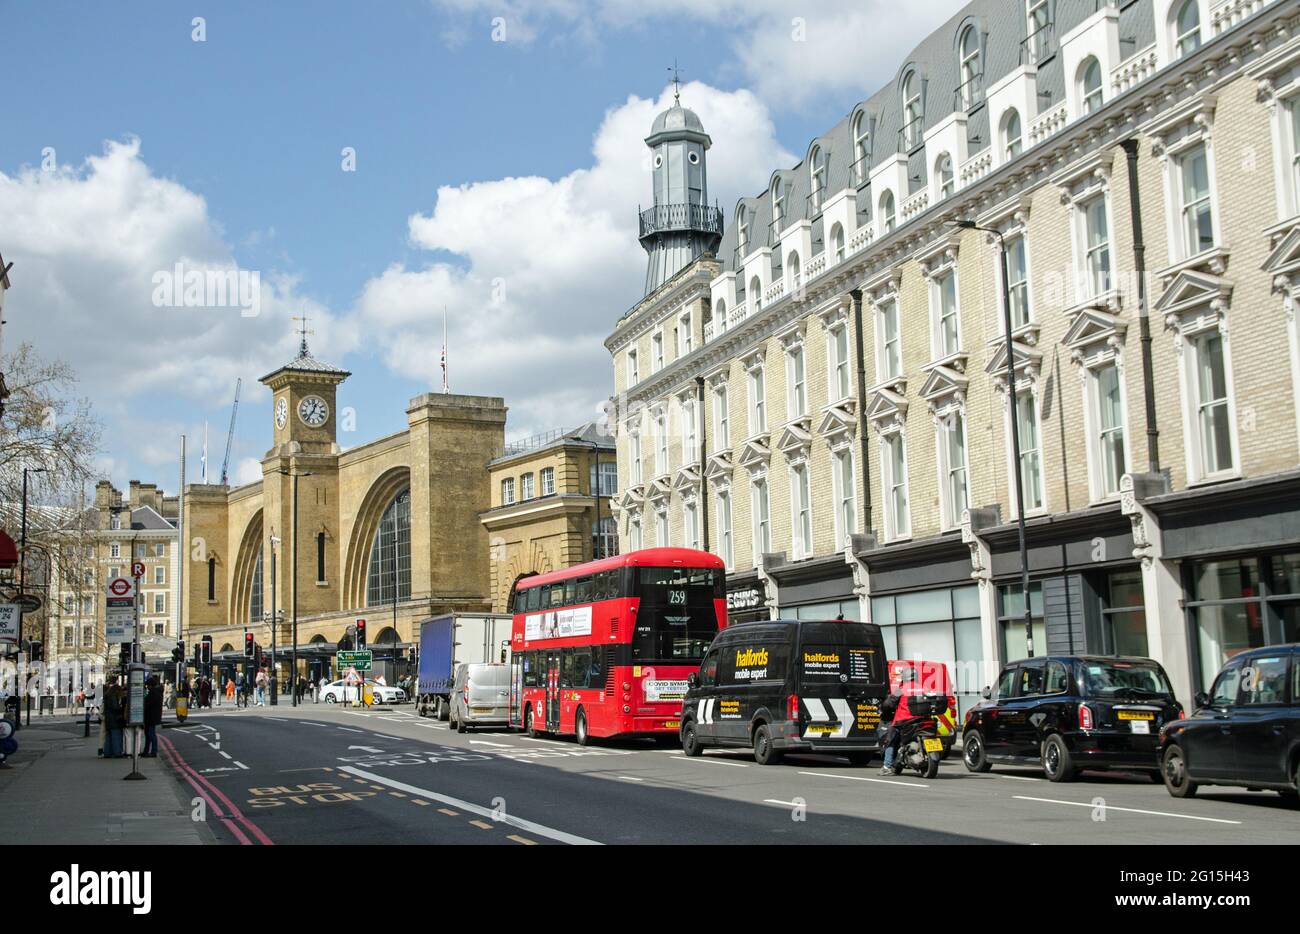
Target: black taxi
<point>1067,713</point>
<point>781,686</point>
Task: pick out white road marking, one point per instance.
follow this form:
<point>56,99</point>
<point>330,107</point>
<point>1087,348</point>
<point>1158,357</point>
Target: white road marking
<point>370,749</point>
<point>863,778</point>
<point>788,804</point>
<point>553,742</point>
<point>1021,778</point>
<point>1112,807</point>
<point>483,742</point>
<point>240,764</point>
<point>351,729</point>
<point>631,778</point>
<point>382,736</point>
<point>549,832</point>
<point>276,719</point>
<point>685,758</point>
<point>224,753</point>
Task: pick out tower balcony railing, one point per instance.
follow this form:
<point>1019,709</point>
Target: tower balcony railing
<point>682,216</point>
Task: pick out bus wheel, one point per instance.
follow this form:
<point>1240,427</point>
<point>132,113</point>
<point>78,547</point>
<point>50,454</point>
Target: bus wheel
<point>580,728</point>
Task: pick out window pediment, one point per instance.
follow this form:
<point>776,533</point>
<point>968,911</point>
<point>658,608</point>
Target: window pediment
<point>944,387</point>
<point>795,438</point>
<point>719,466</point>
<point>1026,360</point>
<point>939,255</point>
<point>839,423</point>
<point>1095,337</point>
<point>687,480</point>
<point>1190,295</point>
<point>632,498</point>
<point>887,409</point>
<point>755,453</point>
<point>660,489</point>
<point>1284,259</point>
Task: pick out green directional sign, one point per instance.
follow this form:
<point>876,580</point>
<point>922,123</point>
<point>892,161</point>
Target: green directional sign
<point>358,660</point>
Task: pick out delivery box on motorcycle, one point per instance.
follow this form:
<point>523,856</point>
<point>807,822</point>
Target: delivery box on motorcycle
<point>789,686</point>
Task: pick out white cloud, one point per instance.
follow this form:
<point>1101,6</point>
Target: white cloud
<point>543,268</point>
<point>788,52</point>
<point>248,470</point>
<point>87,243</point>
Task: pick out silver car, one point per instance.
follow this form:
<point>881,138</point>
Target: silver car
<point>480,696</point>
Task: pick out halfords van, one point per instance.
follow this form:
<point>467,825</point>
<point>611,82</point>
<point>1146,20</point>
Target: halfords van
<point>789,686</point>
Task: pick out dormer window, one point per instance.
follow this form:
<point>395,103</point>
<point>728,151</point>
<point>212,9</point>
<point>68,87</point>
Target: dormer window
<point>778,202</point>
<point>1090,85</point>
<point>1039,29</point>
<point>887,212</point>
<point>912,113</point>
<point>943,169</point>
<point>742,229</point>
<point>817,176</point>
<point>861,147</point>
<point>1187,29</point>
<point>971,72</point>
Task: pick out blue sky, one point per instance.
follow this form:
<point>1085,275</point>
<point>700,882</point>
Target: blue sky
<point>478,162</point>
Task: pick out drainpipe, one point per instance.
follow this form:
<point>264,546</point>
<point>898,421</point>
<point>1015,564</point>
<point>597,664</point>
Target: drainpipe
<point>864,446</point>
<point>702,422</point>
<point>1144,320</point>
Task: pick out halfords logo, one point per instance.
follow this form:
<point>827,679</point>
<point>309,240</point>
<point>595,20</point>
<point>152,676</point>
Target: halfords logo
<point>748,657</point>
<point>76,887</point>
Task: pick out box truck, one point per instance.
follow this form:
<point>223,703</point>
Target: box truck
<point>449,641</point>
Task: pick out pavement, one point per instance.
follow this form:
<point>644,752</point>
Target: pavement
<point>327,774</point>
<point>56,790</point>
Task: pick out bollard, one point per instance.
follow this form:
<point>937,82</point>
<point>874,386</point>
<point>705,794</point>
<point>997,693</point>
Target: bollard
<point>87,733</point>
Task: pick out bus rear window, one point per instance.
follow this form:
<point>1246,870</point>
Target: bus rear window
<point>668,587</point>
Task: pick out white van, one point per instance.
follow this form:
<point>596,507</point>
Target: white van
<point>480,696</point>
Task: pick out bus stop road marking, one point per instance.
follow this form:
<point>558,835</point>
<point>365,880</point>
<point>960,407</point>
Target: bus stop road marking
<point>863,778</point>
<point>524,840</point>
<point>481,825</point>
<point>1111,807</point>
<point>517,822</point>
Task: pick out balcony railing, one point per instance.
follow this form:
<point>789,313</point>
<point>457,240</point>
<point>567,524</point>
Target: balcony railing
<point>1038,45</point>
<point>1134,70</point>
<point>1048,123</point>
<point>909,134</point>
<point>975,168</point>
<point>686,216</point>
<point>969,93</point>
<point>913,205</point>
<point>737,315</point>
<point>861,171</point>
<point>1224,14</point>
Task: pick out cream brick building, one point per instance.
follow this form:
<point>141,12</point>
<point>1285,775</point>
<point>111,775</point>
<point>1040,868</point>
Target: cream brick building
<point>387,531</point>
<point>550,506</point>
<point>819,394</point>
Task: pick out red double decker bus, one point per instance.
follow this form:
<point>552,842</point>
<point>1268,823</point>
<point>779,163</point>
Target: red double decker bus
<point>603,649</point>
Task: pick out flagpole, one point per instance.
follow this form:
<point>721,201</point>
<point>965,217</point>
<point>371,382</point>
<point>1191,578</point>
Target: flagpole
<point>446,385</point>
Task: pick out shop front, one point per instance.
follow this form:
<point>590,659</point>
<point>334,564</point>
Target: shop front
<point>746,598</point>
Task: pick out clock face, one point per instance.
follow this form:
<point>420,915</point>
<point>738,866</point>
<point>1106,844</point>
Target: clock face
<point>313,411</point>
<point>281,412</point>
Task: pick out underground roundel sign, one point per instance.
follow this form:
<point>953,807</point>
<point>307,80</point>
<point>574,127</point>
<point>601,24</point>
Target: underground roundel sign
<point>119,587</point>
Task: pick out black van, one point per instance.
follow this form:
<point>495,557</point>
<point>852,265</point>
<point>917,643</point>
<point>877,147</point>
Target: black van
<point>789,686</point>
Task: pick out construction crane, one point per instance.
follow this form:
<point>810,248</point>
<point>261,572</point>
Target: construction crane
<point>230,435</point>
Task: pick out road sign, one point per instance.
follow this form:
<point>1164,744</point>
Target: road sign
<point>10,618</point>
<point>351,676</point>
<point>137,569</point>
<point>121,588</point>
<point>360,660</point>
<point>30,603</point>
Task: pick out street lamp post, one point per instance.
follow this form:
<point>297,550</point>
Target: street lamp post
<point>275,693</point>
<point>22,582</point>
<point>1013,406</point>
<point>293,652</point>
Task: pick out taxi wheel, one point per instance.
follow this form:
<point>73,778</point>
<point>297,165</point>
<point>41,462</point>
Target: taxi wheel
<point>580,729</point>
<point>1175,773</point>
<point>764,754</point>
<point>1057,764</point>
<point>973,752</point>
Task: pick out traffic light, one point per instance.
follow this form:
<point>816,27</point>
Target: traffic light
<point>206,651</point>
<point>361,634</point>
<point>248,645</point>
<point>178,653</point>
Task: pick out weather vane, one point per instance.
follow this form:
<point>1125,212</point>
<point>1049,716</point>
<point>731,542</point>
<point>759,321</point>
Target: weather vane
<point>302,331</point>
<point>677,91</point>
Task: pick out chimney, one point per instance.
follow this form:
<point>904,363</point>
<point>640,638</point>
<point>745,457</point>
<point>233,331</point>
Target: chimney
<point>104,493</point>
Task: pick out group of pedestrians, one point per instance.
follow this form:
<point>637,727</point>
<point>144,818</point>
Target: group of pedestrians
<point>114,715</point>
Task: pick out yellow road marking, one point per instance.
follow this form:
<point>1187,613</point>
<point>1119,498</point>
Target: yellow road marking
<point>482,825</point>
<point>524,840</point>
<point>449,812</point>
<point>418,801</point>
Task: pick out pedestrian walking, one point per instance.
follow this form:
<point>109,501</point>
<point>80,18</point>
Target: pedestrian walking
<point>205,693</point>
<point>263,679</point>
<point>230,689</point>
<point>153,708</point>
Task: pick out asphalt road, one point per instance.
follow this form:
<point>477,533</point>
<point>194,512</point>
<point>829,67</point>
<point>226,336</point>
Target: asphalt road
<point>323,774</point>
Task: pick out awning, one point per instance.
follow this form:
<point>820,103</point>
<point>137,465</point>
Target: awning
<point>8,551</point>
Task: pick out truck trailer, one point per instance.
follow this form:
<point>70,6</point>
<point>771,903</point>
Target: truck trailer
<point>449,641</point>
